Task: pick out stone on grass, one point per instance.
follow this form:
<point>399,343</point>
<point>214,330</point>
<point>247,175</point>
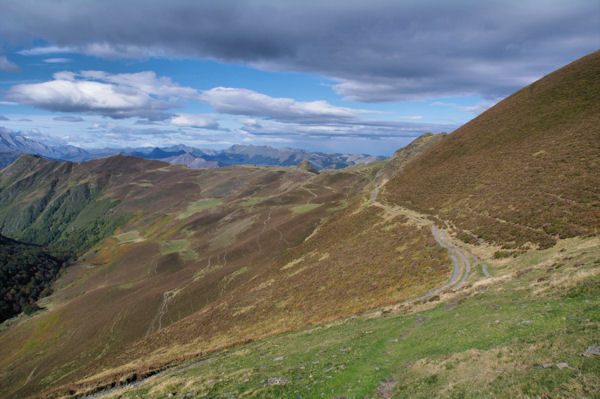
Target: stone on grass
<point>593,350</point>
<point>277,381</point>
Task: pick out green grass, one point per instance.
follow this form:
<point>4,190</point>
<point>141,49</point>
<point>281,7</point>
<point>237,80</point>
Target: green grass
<point>171,246</point>
<point>181,246</point>
<point>199,206</point>
<point>352,359</point>
<point>305,208</point>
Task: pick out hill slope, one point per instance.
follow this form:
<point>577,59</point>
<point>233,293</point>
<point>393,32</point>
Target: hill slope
<point>525,171</point>
<point>209,259</point>
<point>201,259</point>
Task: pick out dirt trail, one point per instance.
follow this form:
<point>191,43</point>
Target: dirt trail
<point>456,254</point>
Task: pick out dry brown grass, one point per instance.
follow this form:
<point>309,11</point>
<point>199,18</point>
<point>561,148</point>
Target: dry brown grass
<point>525,171</point>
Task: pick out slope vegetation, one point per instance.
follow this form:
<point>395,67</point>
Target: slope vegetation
<point>523,173</point>
<point>196,260</point>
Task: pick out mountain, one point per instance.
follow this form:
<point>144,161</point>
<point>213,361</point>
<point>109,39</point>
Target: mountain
<point>467,264</point>
<point>522,174</point>
<point>251,155</point>
<point>191,161</point>
<point>513,196</point>
<point>269,156</point>
<point>234,253</point>
<point>11,145</point>
<point>7,157</point>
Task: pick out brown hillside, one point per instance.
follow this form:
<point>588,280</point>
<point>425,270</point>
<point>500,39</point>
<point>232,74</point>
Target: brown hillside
<point>524,171</point>
<point>204,259</point>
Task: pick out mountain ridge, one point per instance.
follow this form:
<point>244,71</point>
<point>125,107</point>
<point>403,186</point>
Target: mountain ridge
<point>12,145</point>
<point>481,243</point>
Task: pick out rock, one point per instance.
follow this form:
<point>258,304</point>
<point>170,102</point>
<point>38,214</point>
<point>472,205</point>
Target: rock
<point>277,381</point>
<point>525,322</point>
<point>547,365</point>
<point>385,389</point>
<point>564,366</point>
<point>278,359</point>
<point>523,306</point>
<point>494,307</point>
<point>422,320</point>
<point>189,395</point>
<point>592,351</point>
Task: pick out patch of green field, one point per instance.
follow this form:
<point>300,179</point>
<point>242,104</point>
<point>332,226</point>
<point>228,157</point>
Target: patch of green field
<point>199,206</point>
<point>181,246</point>
<point>170,246</point>
<point>304,208</point>
<point>505,341</point>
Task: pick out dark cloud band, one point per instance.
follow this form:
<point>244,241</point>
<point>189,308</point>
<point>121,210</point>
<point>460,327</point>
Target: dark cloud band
<point>377,50</point>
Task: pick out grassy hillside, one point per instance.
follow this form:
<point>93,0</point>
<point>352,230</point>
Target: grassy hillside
<point>203,259</point>
<point>208,264</point>
<point>523,173</point>
<point>57,204</point>
<point>518,334</point>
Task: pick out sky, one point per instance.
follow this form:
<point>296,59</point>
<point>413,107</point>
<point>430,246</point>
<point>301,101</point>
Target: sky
<point>333,76</point>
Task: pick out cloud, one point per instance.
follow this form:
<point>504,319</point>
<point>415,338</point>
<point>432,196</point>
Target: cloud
<point>473,109</point>
<point>45,50</point>
<point>114,95</point>
<point>375,51</point>
<point>202,121</point>
<point>68,118</point>
<point>57,60</point>
<point>8,66</point>
<point>3,118</point>
<point>286,117</point>
<point>238,101</point>
<point>374,130</point>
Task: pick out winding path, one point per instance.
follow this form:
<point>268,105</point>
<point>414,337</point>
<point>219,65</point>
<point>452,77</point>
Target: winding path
<point>454,252</point>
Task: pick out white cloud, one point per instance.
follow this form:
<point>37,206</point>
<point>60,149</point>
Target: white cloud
<point>203,121</point>
<point>45,50</point>
<point>7,65</point>
<point>57,60</point>
<point>140,94</point>
<point>246,102</point>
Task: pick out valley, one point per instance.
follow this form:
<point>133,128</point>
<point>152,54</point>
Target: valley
<point>466,263</point>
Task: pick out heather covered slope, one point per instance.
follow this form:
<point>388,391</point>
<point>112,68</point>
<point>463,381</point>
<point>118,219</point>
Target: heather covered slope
<point>197,260</point>
<point>525,171</point>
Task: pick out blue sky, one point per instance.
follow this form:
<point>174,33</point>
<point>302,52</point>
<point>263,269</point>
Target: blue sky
<point>353,76</point>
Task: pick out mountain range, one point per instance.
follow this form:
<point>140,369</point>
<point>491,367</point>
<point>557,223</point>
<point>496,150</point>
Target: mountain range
<point>12,145</point>
<point>464,265</point>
